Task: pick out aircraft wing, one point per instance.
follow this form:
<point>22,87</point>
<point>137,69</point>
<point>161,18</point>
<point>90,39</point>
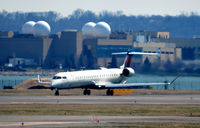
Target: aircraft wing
<point>131,85</point>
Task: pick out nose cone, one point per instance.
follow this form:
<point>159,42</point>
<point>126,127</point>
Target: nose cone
<point>52,83</point>
<point>56,83</point>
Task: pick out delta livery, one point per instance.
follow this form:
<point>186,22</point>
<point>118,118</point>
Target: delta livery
<point>103,78</point>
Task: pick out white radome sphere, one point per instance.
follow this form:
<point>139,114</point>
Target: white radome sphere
<point>102,30</point>
<point>42,28</point>
<point>28,27</point>
<point>88,30</point>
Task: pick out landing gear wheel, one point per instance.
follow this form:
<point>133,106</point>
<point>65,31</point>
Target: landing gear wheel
<point>57,93</point>
<point>109,92</point>
<point>86,92</point>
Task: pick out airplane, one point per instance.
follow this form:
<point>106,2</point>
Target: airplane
<point>103,78</point>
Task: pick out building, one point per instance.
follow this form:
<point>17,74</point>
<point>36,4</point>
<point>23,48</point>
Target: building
<point>65,49</point>
<point>46,51</point>
<point>69,49</point>
<point>35,48</point>
<point>190,47</point>
<point>145,36</point>
<point>167,52</point>
<point>102,49</point>
<point>162,35</point>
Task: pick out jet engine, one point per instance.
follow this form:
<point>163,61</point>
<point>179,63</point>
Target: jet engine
<point>128,72</point>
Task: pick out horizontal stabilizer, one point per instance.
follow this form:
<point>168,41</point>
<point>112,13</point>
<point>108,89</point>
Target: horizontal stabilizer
<point>129,54</point>
<point>135,53</point>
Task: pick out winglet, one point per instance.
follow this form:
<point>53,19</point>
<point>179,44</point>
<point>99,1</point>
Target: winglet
<point>175,79</point>
<point>40,81</point>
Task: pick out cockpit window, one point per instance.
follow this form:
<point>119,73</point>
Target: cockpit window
<point>59,77</point>
<point>54,77</point>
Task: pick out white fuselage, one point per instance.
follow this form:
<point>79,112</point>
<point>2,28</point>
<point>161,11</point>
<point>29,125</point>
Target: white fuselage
<point>81,79</point>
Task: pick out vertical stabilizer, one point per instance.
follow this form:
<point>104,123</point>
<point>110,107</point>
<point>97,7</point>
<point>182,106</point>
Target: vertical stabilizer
<point>127,61</point>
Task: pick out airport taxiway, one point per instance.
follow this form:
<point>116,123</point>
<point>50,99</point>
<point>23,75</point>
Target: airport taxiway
<point>61,121</point>
<point>80,99</point>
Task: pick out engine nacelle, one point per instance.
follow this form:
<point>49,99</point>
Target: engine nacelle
<point>128,72</point>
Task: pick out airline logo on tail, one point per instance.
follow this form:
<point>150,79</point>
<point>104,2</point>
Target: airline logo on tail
<point>127,62</point>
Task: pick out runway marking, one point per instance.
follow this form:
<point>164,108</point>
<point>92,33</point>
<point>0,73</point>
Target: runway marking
<point>21,102</point>
<point>12,121</point>
<point>140,99</point>
<point>8,124</point>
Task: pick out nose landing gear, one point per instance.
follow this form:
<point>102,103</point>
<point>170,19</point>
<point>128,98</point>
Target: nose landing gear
<point>57,92</point>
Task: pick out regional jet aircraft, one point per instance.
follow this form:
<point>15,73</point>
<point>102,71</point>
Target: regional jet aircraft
<point>114,78</point>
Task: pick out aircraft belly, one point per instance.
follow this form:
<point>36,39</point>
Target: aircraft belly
<point>76,84</point>
<point>116,80</point>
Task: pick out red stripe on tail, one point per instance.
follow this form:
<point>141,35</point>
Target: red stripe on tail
<point>128,61</point>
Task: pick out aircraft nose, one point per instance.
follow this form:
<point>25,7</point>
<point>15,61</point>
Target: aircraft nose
<point>56,83</point>
<point>53,83</point>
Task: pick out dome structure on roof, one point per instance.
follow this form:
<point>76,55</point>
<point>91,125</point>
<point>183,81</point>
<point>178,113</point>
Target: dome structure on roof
<point>102,30</point>
<point>42,28</point>
<point>28,27</point>
<point>88,30</point>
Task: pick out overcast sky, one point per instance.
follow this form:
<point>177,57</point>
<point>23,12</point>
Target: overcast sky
<point>129,7</point>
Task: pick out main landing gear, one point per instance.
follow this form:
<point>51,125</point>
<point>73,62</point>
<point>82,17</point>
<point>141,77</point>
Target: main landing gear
<point>86,92</point>
<point>57,92</point>
<point>109,92</point>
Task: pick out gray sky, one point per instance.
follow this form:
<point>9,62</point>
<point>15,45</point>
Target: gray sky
<point>129,7</point>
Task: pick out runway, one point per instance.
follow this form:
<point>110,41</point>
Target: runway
<point>139,99</point>
<point>63,121</point>
<point>10,121</point>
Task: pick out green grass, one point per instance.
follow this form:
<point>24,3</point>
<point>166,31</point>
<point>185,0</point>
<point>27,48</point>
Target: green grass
<point>103,109</point>
<point>148,125</point>
<point>109,110</point>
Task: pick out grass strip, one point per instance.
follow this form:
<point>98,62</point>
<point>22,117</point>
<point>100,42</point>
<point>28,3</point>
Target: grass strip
<point>146,125</point>
<point>101,110</point>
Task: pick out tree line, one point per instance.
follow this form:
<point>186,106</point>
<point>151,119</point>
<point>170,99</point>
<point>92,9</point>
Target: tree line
<point>180,26</point>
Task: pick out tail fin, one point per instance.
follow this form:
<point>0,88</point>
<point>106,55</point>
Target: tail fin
<point>127,61</point>
<point>129,55</point>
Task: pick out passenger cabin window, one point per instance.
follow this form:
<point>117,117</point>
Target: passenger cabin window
<point>64,77</point>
